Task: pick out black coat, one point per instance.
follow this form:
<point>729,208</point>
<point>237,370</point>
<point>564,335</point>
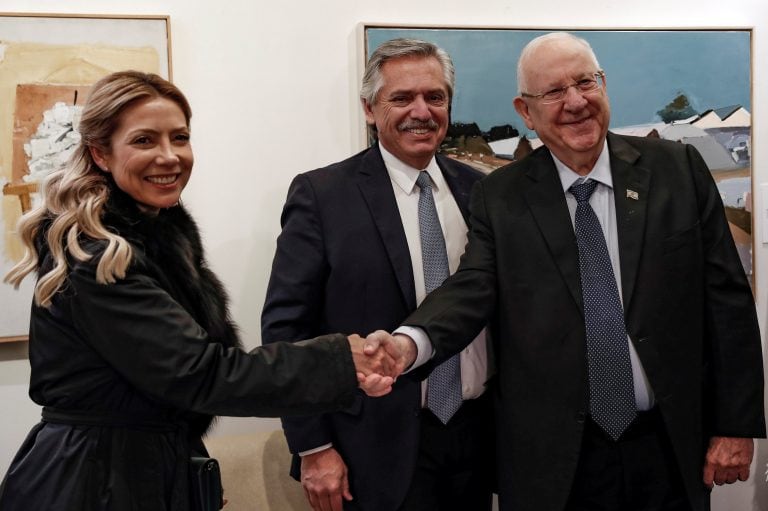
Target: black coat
<point>688,307</point>
<point>137,368</point>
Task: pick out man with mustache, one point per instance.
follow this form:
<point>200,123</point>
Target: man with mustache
<point>357,253</point>
<point>629,360</point>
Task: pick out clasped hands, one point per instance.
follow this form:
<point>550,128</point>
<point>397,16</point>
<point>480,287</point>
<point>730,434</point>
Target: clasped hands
<point>379,359</point>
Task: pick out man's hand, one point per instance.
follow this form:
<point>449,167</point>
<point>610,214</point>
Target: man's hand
<point>376,371</point>
<point>324,478</point>
<point>728,459</point>
<point>399,347</point>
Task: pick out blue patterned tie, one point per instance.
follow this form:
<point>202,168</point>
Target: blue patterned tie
<point>611,389</point>
<point>444,383</point>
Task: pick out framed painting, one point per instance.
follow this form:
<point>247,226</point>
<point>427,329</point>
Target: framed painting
<point>47,64</point>
<point>693,86</point>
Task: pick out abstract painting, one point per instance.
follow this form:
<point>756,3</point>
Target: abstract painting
<point>47,64</point>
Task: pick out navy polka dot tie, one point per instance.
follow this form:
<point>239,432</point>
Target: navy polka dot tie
<point>444,383</point>
<point>611,389</point>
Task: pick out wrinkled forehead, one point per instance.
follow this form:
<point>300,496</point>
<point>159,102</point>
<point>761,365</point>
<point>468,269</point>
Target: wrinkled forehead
<point>557,61</point>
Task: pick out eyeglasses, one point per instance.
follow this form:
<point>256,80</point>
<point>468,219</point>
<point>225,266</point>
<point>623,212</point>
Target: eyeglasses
<point>583,86</point>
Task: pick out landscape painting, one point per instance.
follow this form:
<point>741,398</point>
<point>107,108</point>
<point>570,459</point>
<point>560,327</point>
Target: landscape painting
<point>690,86</point>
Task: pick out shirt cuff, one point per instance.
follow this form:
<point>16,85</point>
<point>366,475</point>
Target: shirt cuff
<point>424,349</point>
<point>316,449</point>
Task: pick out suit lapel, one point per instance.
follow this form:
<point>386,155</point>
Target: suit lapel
<point>546,201</point>
<point>460,184</point>
<point>376,187</point>
<point>630,192</point>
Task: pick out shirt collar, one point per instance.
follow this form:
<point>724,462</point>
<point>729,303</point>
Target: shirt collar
<point>404,176</point>
<point>601,172</point>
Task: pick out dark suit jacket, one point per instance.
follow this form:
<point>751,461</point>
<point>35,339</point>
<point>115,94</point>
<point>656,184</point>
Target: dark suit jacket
<point>688,308</point>
<point>342,265</point>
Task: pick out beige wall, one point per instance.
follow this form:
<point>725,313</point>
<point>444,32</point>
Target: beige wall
<point>257,124</point>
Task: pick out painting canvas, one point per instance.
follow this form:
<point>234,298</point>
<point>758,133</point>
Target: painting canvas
<point>690,86</point>
<point>47,65</point>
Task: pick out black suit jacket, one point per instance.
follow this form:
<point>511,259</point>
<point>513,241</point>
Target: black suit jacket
<point>342,265</point>
<point>688,307</point>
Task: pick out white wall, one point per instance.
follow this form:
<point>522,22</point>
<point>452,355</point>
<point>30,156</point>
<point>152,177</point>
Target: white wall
<point>273,87</point>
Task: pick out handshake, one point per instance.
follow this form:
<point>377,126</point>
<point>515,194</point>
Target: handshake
<point>379,359</point>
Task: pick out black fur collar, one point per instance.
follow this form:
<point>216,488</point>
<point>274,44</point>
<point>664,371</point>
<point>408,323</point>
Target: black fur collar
<point>168,246</point>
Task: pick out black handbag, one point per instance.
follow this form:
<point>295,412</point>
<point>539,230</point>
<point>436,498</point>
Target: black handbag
<point>205,482</point>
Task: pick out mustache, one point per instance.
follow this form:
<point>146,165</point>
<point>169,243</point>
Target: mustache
<point>411,125</point>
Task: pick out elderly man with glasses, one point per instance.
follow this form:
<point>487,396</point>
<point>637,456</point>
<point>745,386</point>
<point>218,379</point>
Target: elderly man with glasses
<point>627,346</point>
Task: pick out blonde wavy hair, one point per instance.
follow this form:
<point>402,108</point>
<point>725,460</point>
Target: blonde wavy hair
<point>73,198</point>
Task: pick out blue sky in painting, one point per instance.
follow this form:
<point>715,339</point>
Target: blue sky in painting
<point>645,70</point>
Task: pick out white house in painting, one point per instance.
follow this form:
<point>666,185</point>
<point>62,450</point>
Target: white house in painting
<point>505,146</point>
<point>735,116</point>
<point>678,132</point>
<point>640,130</point>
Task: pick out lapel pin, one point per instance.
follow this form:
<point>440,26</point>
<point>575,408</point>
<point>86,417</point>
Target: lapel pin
<point>631,194</point>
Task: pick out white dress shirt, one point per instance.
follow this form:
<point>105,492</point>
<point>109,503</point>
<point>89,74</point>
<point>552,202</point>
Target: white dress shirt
<point>604,206</point>
<point>474,358</point>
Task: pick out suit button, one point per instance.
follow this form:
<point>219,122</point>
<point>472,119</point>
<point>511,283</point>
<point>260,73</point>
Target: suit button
<point>581,416</point>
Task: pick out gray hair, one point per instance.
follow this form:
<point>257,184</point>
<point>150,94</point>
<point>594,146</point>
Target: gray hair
<point>535,44</point>
<point>400,48</point>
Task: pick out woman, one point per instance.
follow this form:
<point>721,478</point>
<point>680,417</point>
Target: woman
<point>131,345</point>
